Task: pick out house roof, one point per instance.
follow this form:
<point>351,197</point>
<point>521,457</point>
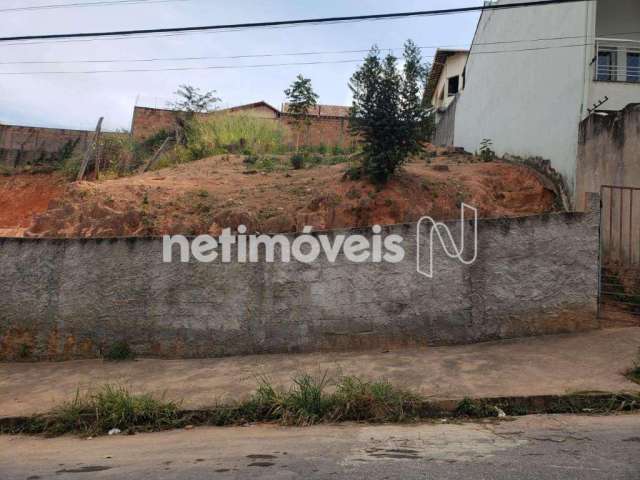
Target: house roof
<point>324,110</point>
<point>249,106</point>
<point>439,62</point>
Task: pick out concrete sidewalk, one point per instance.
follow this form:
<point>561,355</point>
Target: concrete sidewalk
<point>523,367</point>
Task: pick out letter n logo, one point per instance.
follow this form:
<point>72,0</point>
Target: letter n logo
<point>445,238</point>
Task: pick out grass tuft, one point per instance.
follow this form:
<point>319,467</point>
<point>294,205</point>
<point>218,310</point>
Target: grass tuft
<point>634,372</point>
<point>310,400</point>
<point>119,351</point>
<point>109,407</point>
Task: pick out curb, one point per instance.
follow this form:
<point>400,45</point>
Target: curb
<point>584,403</point>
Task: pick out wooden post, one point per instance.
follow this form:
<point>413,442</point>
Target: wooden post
<point>89,151</point>
<point>153,159</point>
<point>98,155</point>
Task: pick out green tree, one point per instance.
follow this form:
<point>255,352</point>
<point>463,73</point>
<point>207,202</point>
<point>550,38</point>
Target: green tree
<point>191,100</point>
<point>300,98</point>
<point>388,112</point>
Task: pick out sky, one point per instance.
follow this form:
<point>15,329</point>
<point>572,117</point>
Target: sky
<point>78,100</point>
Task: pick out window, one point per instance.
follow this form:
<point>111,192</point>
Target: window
<point>633,66</point>
<point>454,85</point>
<point>607,64</point>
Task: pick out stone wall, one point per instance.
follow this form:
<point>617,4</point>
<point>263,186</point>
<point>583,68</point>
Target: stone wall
<point>74,298</point>
<point>21,146</point>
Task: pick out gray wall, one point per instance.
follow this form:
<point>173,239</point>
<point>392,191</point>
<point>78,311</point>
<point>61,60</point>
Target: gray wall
<point>72,298</point>
<point>21,146</point>
<point>445,129</point>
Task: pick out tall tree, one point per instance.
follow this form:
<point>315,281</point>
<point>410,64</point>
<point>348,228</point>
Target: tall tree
<point>300,99</point>
<point>191,100</point>
<point>387,112</point>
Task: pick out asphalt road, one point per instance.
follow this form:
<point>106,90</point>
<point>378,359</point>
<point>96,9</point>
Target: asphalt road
<point>535,447</point>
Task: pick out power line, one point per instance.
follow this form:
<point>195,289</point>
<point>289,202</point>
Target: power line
<point>81,5</point>
<point>239,67</point>
<point>308,21</point>
<point>179,69</point>
<point>292,54</point>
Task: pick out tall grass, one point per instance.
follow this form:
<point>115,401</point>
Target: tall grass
<point>310,400</point>
<point>109,407</point>
<point>234,133</point>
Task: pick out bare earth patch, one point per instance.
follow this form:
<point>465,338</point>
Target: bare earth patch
<point>218,192</point>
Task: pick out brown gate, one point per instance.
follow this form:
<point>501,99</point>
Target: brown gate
<point>619,282</point>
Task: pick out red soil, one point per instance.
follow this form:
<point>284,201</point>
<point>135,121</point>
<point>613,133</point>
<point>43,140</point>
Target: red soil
<point>218,192</point>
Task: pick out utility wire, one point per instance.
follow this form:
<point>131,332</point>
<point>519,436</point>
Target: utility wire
<point>293,54</point>
<point>307,21</point>
<point>236,67</point>
<point>81,5</point>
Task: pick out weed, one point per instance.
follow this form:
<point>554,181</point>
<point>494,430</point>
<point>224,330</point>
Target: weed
<point>634,372</point>
<point>475,409</point>
<point>109,407</point>
<point>306,402</point>
<point>486,152</point>
<point>297,161</point>
<point>24,351</point>
<point>223,133</point>
<point>250,159</point>
<point>353,194</point>
<point>268,164</point>
<point>377,401</point>
<point>119,351</point>
<point>354,172</point>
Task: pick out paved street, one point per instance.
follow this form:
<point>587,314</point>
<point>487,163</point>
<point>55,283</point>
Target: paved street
<point>535,447</point>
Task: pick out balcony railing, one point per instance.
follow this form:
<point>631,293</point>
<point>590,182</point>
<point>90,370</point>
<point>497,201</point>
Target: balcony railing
<point>617,60</point>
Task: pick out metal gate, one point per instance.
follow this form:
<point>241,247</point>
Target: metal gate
<point>619,280</point>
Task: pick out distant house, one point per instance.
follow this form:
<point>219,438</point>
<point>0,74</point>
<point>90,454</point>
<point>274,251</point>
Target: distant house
<point>534,74</point>
<point>257,109</point>
<point>446,78</point>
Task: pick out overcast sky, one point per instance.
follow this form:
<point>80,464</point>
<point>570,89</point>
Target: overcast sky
<point>76,101</point>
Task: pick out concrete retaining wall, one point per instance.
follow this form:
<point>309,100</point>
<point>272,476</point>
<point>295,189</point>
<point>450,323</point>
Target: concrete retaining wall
<point>73,298</point>
<point>608,151</point>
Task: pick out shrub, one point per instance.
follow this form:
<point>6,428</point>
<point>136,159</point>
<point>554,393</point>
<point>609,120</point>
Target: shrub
<point>486,152</point>
<point>354,172</point>
<point>297,161</point>
<point>120,350</point>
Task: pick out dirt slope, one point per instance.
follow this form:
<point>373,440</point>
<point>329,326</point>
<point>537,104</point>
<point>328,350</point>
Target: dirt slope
<point>210,194</point>
<point>23,196</point>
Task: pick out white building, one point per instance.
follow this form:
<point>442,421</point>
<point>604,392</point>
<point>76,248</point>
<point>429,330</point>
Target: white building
<point>534,73</point>
<point>446,77</point>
